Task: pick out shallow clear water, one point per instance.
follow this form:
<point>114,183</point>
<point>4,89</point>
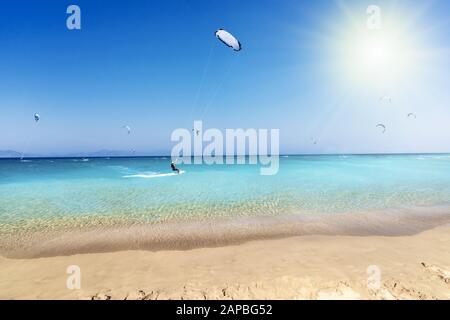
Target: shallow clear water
<point>43,193</point>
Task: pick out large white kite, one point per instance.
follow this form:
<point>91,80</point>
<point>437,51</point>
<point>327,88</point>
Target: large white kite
<point>228,39</point>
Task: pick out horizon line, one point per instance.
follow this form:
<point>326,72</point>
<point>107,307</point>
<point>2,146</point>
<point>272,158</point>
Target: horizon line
<point>246,155</point>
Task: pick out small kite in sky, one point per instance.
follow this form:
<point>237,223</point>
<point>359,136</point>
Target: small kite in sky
<point>381,126</point>
<point>386,99</point>
<point>127,128</point>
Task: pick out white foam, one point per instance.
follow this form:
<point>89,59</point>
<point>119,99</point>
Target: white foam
<point>436,157</point>
<point>153,175</point>
<point>123,169</point>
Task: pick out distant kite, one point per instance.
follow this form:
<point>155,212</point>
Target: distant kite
<point>381,126</point>
<point>412,115</point>
<point>37,117</point>
<point>127,128</point>
<point>228,39</point>
<point>386,99</point>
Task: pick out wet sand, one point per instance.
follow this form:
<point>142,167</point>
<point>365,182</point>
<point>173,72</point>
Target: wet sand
<point>56,241</point>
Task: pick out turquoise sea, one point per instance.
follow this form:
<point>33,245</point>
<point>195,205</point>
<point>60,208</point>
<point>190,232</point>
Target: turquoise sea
<point>46,193</point>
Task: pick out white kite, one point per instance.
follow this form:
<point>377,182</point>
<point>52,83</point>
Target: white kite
<point>412,115</point>
<point>228,39</point>
<point>128,128</point>
<point>386,99</point>
<point>381,126</point>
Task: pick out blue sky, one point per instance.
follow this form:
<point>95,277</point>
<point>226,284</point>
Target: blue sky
<point>156,66</point>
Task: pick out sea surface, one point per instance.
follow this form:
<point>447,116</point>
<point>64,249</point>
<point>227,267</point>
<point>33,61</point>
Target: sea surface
<point>46,194</point>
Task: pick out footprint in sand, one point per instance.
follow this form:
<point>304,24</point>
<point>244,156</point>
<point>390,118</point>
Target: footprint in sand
<point>101,296</point>
<point>408,291</point>
<point>442,274</point>
<point>142,295</point>
<point>341,292</point>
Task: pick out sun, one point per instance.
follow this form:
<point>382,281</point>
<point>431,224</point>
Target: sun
<point>380,54</point>
<point>360,56</point>
<point>366,57</point>
<point>374,55</point>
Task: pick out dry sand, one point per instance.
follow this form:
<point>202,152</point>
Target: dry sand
<point>303,267</point>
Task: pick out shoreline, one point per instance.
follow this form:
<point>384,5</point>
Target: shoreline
<point>306,267</point>
<point>222,232</point>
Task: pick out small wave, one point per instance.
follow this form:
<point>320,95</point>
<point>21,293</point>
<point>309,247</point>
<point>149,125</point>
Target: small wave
<point>26,160</point>
<point>146,175</point>
<point>435,157</point>
<point>120,168</point>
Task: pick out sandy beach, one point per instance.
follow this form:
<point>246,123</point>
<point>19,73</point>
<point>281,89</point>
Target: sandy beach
<point>302,267</point>
<point>172,150</point>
